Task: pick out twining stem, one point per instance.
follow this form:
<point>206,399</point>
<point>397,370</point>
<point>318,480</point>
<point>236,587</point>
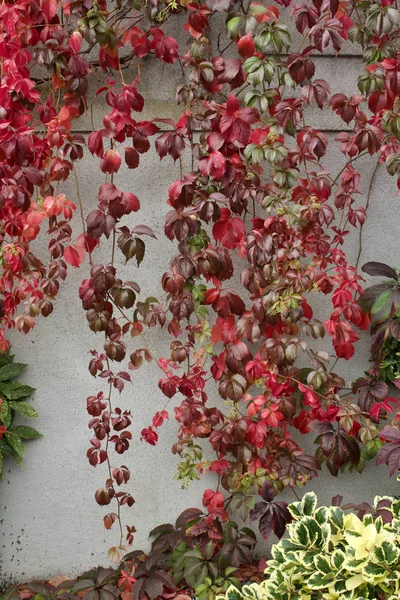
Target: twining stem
<point>78,194</point>
<point>108,461</point>
<point>360,235</point>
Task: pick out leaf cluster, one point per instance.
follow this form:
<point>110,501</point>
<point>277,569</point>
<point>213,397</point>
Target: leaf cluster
<point>14,397</point>
<point>330,554</point>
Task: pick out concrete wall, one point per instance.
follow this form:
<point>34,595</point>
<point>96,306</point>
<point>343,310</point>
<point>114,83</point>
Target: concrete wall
<point>49,521</point>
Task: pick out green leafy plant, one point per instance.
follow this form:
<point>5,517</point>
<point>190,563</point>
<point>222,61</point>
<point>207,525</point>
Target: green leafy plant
<point>330,555</point>
<point>202,555</point>
<point>13,399</point>
<point>38,590</point>
<point>382,301</point>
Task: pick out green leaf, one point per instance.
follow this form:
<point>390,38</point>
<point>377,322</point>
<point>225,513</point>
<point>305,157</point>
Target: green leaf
<point>25,432</point>
<point>5,414</point>
<point>383,305</point>
<point>15,390</point>
<point>233,27</point>
<point>11,371</point>
<point>196,572</point>
<point>25,409</point>
<point>16,445</point>
<point>6,359</point>
<point>82,585</point>
<point>241,505</point>
<point>4,447</point>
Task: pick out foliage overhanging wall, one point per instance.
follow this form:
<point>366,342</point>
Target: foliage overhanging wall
<point>258,205</point>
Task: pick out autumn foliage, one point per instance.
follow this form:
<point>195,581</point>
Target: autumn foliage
<point>258,227</point>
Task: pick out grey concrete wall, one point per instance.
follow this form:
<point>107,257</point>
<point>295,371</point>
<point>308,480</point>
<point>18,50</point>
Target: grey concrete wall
<point>49,521</point>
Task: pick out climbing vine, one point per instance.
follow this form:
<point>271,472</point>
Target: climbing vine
<point>257,228</point>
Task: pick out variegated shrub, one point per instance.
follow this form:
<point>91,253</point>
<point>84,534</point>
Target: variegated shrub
<point>331,555</point>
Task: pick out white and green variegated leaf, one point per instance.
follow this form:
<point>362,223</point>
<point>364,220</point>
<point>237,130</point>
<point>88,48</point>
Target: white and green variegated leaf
<point>368,520</point>
<point>393,577</point>
<point>373,573</point>
<point>354,582</point>
<point>315,530</point>
<point>352,564</point>
<point>233,594</point>
<point>337,517</point>
<point>296,510</point>
<point>396,523</point>
<point>386,553</point>
<point>322,564</point>
<point>322,514</point>
<point>307,532</point>
<point>252,592</point>
<point>319,581</point>
<point>301,534</point>
<point>248,592</point>
<point>317,560</point>
<point>338,559</point>
<point>307,559</point>
<point>378,522</point>
<point>308,504</point>
<point>339,586</point>
<point>396,508</point>
<point>277,554</point>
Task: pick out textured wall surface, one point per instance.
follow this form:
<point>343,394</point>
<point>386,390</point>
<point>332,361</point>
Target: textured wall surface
<point>49,521</point>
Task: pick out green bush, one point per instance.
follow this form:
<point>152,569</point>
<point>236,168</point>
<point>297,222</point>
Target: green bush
<point>13,400</point>
<point>330,555</point>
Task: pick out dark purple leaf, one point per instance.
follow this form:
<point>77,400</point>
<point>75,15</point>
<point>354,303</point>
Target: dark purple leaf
<point>390,434</point>
<point>267,491</point>
<point>188,515</point>
<point>377,269</point>
<point>144,230</point>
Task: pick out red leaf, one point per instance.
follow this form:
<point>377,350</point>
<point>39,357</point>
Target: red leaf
<point>74,255</point>
<point>213,165</point>
<point>95,143</point>
<point>49,8</point>
<point>131,158</point>
<point>246,46</point>
<point>228,231</point>
<point>75,42</point>
<point>111,162</point>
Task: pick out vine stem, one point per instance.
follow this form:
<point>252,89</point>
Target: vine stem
<point>78,193</point>
<point>295,493</point>
<point>109,463</point>
<point>349,162</point>
<point>360,235</point>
